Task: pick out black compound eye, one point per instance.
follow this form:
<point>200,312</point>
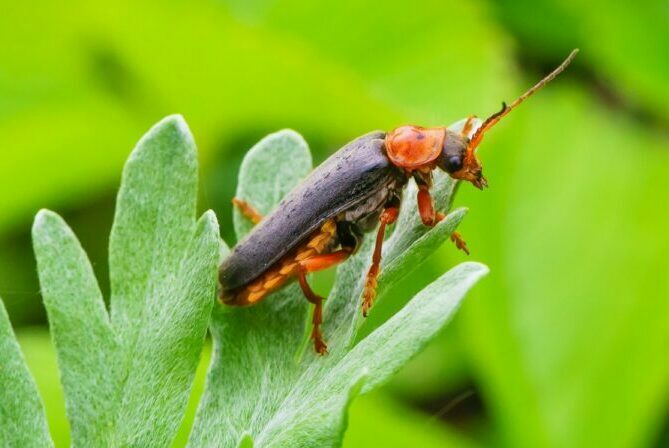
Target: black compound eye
<point>453,164</point>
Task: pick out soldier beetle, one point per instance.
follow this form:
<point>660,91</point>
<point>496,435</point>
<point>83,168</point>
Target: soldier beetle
<point>320,223</point>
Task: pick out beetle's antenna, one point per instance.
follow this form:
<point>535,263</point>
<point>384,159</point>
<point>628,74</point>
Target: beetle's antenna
<point>494,118</point>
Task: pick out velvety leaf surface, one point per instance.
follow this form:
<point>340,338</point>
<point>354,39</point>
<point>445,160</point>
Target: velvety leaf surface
<point>81,331</point>
<point>264,383</point>
<point>127,378</point>
<point>22,419</point>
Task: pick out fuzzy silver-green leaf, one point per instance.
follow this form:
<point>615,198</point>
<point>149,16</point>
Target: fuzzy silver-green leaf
<point>263,388</point>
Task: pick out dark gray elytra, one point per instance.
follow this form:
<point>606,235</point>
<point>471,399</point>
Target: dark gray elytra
<point>354,183</point>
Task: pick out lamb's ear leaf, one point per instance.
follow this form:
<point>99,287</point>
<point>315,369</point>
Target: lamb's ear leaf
<point>404,263</point>
<point>325,389</point>
<point>391,345</point>
<point>319,423</point>
<point>81,331</point>
<point>254,353</point>
<point>169,344</point>
<point>153,223</point>
<point>162,274</point>
<point>258,390</point>
<point>22,418</point>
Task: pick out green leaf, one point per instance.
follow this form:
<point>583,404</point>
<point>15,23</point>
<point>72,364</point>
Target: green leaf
<point>168,347</point>
<point>81,331</point>
<point>261,386</point>
<point>407,261</point>
<point>127,378</point>
<point>22,418</point>
<point>153,213</point>
<point>253,362</point>
<point>161,298</point>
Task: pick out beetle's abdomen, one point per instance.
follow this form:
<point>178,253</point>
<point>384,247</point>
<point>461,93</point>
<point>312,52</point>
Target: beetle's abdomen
<point>284,270</point>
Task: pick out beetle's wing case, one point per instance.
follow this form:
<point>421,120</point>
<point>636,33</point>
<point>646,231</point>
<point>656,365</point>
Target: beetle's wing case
<point>349,176</point>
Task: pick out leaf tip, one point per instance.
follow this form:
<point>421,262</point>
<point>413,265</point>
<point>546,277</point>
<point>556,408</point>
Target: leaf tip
<point>284,139</point>
<point>209,221</point>
<point>290,134</point>
<point>44,218</point>
<point>175,122</point>
<point>475,268</point>
<point>174,128</point>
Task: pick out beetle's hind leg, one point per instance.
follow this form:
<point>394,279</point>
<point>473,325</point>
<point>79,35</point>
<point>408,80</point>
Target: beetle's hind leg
<point>314,264</point>
<point>247,210</point>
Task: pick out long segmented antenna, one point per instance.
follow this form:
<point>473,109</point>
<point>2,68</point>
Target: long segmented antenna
<point>494,118</point>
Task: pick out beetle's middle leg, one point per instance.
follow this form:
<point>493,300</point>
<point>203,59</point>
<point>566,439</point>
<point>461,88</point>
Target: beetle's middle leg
<point>429,216</point>
<point>388,216</point>
<point>247,210</point>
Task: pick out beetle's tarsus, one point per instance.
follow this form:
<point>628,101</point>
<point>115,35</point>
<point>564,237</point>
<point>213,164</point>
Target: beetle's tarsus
<point>247,210</point>
<point>459,242</point>
<point>369,293</point>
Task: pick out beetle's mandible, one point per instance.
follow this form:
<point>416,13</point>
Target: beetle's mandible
<point>321,221</point>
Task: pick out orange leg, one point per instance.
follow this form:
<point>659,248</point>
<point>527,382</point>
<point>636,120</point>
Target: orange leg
<point>388,216</point>
<point>430,217</point>
<point>247,210</point>
<point>313,264</point>
<point>459,242</point>
<point>426,206</point>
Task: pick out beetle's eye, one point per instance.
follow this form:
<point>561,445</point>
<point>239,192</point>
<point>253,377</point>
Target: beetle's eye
<point>453,164</point>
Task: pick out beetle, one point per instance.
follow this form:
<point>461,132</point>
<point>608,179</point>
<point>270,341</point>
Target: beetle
<point>321,222</point>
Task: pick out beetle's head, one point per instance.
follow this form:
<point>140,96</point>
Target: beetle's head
<point>458,160</point>
<point>458,154</point>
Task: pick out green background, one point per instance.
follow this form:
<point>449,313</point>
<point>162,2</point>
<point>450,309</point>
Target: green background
<point>564,344</point>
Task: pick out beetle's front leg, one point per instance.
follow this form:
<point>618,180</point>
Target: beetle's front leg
<point>388,216</point>
<point>429,216</point>
<point>459,242</point>
<point>247,210</point>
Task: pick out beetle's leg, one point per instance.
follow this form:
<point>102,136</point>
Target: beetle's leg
<point>425,203</point>
<point>247,210</point>
<point>430,217</point>
<point>459,242</point>
<point>313,264</point>
<point>388,216</point>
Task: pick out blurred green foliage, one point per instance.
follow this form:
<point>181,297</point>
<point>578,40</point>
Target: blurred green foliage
<point>564,344</point>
